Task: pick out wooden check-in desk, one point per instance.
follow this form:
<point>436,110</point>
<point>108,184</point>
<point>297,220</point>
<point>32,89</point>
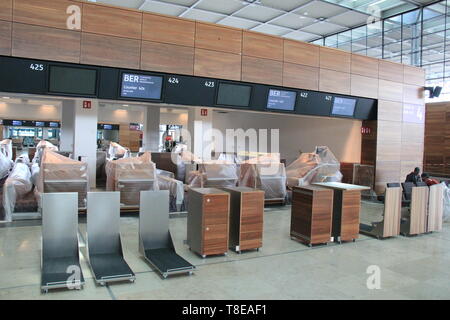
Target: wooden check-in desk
<point>414,221</point>
<point>346,210</point>
<point>246,218</point>
<point>311,214</point>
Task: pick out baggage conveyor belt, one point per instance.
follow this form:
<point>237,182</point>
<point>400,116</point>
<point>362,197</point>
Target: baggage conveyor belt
<point>166,261</point>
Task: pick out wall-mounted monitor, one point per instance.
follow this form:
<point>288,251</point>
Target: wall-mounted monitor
<point>53,124</point>
<point>39,123</point>
<point>17,123</point>
<point>233,95</point>
<point>141,86</point>
<point>72,81</point>
<point>343,107</point>
<point>281,100</point>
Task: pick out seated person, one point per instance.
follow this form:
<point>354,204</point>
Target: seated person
<point>414,176</point>
<point>429,181</point>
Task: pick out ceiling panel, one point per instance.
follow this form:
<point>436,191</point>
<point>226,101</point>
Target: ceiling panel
<point>238,22</point>
<point>164,8</point>
<point>258,13</point>
<point>318,9</point>
<point>350,19</point>
<point>323,28</point>
<point>225,7</point>
<point>293,21</point>
<point>286,5</point>
<point>271,29</point>
<point>201,15</point>
<point>301,36</point>
<point>133,4</point>
<point>186,3</point>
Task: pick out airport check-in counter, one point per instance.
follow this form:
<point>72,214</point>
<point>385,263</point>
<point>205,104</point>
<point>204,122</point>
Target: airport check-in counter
<point>346,210</point>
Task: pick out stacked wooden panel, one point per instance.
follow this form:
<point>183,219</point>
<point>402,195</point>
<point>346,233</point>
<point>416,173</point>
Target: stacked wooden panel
<point>120,37</point>
<point>208,221</point>
<point>246,218</point>
<point>437,139</point>
<point>311,215</point>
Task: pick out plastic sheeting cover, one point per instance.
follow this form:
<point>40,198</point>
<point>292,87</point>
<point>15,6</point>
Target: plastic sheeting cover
<point>6,148</point>
<point>16,187</point>
<point>446,203</point>
<point>319,166</point>
<point>5,166</point>
<point>269,177</point>
<point>117,151</point>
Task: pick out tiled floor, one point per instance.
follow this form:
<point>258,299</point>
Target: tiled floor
<point>411,268</point>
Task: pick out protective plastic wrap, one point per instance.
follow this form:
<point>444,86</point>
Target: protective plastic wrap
<point>62,174</point>
<point>116,151</point>
<point>446,203</point>
<point>176,190</point>
<point>16,187</point>
<point>319,166</point>
<point>214,174</point>
<point>41,146</point>
<point>220,174</point>
<point>258,157</point>
<point>5,166</point>
<point>6,148</point>
<point>130,176</point>
<point>269,177</point>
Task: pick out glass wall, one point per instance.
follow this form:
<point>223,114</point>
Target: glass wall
<point>419,37</point>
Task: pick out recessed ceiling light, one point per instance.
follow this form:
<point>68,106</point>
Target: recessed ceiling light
<point>125,105</point>
<point>6,98</point>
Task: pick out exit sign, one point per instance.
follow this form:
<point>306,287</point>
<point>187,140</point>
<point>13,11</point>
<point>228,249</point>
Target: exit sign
<point>87,104</point>
<point>366,130</point>
<point>204,112</point>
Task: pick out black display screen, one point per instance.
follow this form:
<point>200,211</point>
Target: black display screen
<point>281,100</point>
<point>139,86</point>
<point>343,107</point>
<point>233,95</point>
<point>75,81</point>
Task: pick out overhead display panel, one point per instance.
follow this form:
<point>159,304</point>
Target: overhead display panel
<point>23,75</point>
<point>233,95</point>
<point>281,100</point>
<point>344,107</point>
<point>141,86</point>
<point>314,103</point>
<point>186,90</point>
<point>72,81</point>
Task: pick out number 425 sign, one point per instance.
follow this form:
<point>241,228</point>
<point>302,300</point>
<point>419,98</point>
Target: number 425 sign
<point>37,67</point>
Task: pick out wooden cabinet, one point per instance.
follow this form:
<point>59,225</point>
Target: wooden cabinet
<point>207,223</point>
<point>346,210</point>
<point>311,212</point>
<point>246,218</point>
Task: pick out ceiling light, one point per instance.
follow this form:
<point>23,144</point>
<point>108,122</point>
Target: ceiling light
<point>125,105</point>
<point>6,98</point>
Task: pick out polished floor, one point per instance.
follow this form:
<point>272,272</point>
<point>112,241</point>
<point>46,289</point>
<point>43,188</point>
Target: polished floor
<point>410,268</point>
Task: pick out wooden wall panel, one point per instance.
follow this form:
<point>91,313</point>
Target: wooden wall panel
<point>168,30</point>
<point>390,110</point>
<point>110,51</point>
<point>165,57</point>
<point>391,71</point>
<point>388,90</point>
<point>364,86</point>
<point>413,94</point>
<point>300,76</point>
<point>262,46</point>
<point>45,43</point>
<point>6,10</point>
<point>42,12</point>
<point>334,81</point>
<point>413,75</point>
<point>301,53</point>
<point>217,64</point>
<point>335,59</point>
<point>5,37</point>
<point>112,21</point>
<point>216,37</point>
<point>389,140</point>
<point>364,66</point>
<point>262,71</point>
